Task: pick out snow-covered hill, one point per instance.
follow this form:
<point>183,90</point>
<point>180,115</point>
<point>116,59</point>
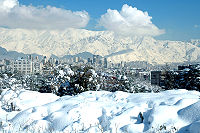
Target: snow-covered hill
<point>101,111</point>
<point>104,43</point>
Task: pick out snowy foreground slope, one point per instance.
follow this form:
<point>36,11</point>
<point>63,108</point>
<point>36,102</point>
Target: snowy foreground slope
<point>174,110</point>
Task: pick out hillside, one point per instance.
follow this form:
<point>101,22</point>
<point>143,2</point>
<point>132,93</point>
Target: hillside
<point>4,54</point>
<point>104,43</point>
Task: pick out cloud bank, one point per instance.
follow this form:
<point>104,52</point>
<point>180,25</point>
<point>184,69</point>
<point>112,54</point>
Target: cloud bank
<point>14,15</point>
<point>129,22</point>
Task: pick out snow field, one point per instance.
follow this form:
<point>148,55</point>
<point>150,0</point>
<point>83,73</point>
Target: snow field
<point>101,111</point>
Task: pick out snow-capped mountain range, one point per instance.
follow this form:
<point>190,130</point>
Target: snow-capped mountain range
<point>104,43</point>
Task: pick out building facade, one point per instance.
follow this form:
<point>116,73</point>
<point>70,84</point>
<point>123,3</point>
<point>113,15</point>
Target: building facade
<point>26,66</point>
<point>157,78</point>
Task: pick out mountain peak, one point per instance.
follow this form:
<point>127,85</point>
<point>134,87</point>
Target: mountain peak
<point>73,41</point>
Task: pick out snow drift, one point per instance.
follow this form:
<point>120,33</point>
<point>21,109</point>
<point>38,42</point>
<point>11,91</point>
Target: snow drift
<point>102,112</point>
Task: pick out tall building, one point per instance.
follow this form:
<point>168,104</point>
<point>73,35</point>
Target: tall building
<point>2,66</point>
<point>76,59</point>
<point>30,57</point>
<point>158,78</point>
<point>89,61</point>
<point>94,59</point>
<point>105,63</point>
<point>23,66</point>
<point>37,66</point>
<point>27,66</point>
<point>44,60</point>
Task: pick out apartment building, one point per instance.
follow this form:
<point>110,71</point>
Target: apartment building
<point>23,66</point>
<point>26,66</point>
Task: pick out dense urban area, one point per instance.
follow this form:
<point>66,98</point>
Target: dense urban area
<point>75,75</point>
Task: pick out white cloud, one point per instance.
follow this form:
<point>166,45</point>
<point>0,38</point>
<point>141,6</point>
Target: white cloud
<point>196,26</point>
<point>14,15</point>
<point>6,5</point>
<point>129,22</point>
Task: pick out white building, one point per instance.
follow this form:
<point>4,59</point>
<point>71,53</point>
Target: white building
<point>26,66</point>
<point>37,66</point>
<point>2,66</point>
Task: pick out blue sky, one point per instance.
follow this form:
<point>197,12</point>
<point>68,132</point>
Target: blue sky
<point>179,18</point>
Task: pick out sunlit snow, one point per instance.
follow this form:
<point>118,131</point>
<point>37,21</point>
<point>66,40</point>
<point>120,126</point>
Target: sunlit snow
<point>101,111</point>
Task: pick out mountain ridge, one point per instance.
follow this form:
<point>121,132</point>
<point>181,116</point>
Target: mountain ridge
<point>4,54</point>
<point>104,43</point>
